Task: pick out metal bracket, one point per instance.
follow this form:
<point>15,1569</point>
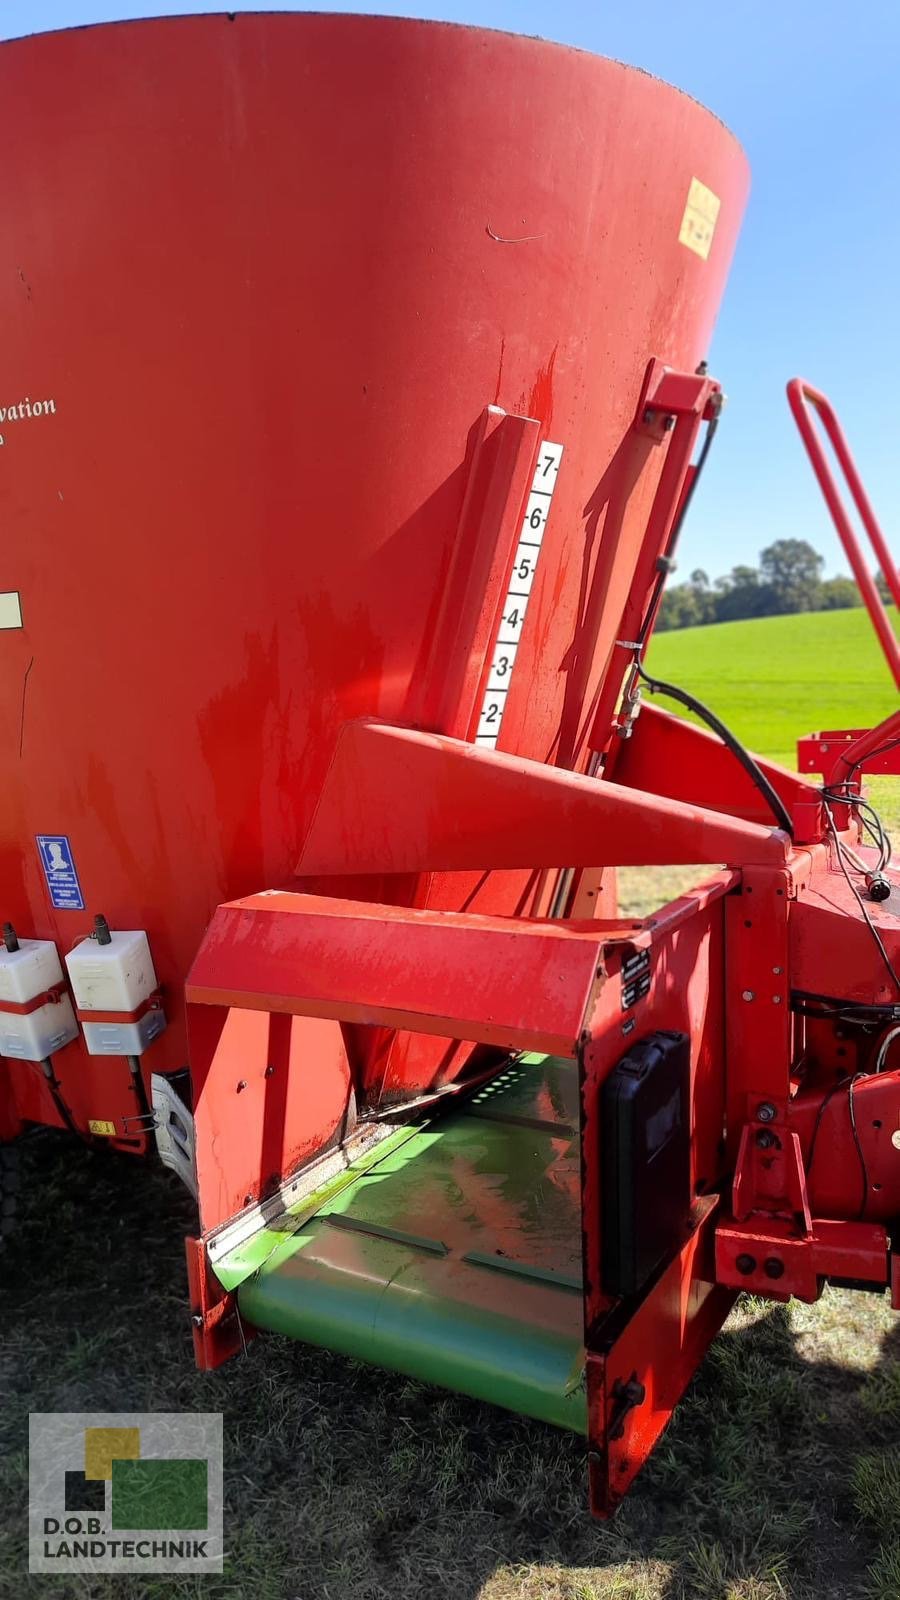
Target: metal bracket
<point>174,1130</point>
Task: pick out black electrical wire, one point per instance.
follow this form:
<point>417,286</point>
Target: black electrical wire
<point>856,1140</point>
<point>868,816</point>
<point>855,1013</point>
<point>752,768</point>
<point>849,1084</point>
<point>55,1089</point>
<point>859,899</point>
<point>667,561</point>
<point>870,756</point>
<point>689,701</point>
<point>705,448</point>
<point>823,1107</point>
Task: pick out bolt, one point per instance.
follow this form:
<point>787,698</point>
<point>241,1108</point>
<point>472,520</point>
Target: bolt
<point>748,995</point>
<point>765,1138</point>
<point>778,971</point>
<point>895,1139</point>
<point>241,1085</point>
<point>649,415</point>
<point>773,1267</point>
<point>776,999</point>
<point>668,424</point>
<point>269,1072</point>
<point>197,1320</point>
<point>766,1112</point>
<point>745,1265</point>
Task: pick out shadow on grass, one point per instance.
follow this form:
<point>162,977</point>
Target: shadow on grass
<point>346,1483</point>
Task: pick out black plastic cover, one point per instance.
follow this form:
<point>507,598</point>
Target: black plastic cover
<point>646,1159</point>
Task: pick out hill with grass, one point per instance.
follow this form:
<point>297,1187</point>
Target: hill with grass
<point>772,679</point>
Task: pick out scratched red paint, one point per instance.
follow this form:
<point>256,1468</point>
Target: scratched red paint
<point>269,321</point>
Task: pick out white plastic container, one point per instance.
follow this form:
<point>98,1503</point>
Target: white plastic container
<point>118,976</point>
<point>40,1033</point>
<point>24,974</point>
<point>123,1038</point>
<point>30,970</point>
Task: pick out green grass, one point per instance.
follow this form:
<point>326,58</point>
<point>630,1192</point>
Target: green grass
<point>775,1480</point>
<point>779,1478</point>
<point>775,678</point>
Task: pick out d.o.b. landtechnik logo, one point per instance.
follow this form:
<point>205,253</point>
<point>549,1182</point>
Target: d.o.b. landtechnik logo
<point>125,1491</point>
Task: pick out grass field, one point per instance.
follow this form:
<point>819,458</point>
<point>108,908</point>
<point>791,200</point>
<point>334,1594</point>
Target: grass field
<point>776,678</point>
<point>779,1479</point>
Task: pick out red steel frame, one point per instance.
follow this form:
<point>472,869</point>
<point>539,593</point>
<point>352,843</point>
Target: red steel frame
<point>802,395</point>
<point>723,964</point>
<point>803,1185</point>
<point>840,752</point>
<point>385,973</point>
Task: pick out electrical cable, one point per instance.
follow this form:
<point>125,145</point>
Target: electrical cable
<point>869,818</point>
<point>690,702</point>
<point>752,768</point>
<point>55,1089</point>
<point>823,1106</point>
<point>849,1084</point>
<point>859,899</point>
<point>667,560</point>
<point>884,1046</point>
<point>856,1140</point>
<point>870,755</point>
<point>855,1013</point>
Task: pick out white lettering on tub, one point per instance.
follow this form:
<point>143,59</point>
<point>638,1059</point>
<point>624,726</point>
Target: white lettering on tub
<point>23,409</point>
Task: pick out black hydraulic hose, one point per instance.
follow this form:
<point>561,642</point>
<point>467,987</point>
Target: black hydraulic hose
<point>667,561</point>
<point>55,1088</point>
<point>752,768</point>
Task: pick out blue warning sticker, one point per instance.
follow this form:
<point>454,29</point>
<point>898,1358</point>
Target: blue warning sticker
<point>58,863</point>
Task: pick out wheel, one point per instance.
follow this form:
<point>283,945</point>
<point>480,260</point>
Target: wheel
<point>9,1189</point>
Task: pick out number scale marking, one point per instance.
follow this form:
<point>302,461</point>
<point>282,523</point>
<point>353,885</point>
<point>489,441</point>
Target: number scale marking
<point>509,634</point>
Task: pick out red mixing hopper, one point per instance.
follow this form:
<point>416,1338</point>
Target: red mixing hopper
<point>353,370</point>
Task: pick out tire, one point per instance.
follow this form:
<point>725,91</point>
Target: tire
<point>9,1190</point>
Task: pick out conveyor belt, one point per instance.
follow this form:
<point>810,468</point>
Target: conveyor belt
<point>456,1256</point>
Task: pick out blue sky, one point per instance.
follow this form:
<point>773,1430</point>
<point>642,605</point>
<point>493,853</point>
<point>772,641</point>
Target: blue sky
<point>811,89</point>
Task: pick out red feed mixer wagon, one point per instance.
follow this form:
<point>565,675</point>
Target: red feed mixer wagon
<point>353,395</point>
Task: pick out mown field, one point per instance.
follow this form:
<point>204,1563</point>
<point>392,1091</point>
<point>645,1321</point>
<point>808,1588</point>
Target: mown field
<point>778,677</point>
<point>779,1479</point>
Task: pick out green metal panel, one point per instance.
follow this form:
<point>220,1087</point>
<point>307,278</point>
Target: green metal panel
<point>454,1256</point>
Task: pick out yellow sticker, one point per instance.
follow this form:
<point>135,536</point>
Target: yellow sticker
<point>105,1129</point>
<point>103,1446</point>
<point>699,221</point>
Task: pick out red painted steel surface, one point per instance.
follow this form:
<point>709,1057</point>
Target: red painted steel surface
<point>801,396</point>
<point>290,306</point>
<point>657,1345</point>
<point>400,801</point>
<point>521,985</point>
<point>676,760</point>
<point>819,752</point>
<point>831,949</point>
<point>686,946</point>
<point>263,277</point>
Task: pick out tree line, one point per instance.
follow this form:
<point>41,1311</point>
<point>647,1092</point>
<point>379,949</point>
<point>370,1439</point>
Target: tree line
<point>788,578</point>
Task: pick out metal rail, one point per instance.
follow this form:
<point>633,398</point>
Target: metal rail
<point>800,396</point>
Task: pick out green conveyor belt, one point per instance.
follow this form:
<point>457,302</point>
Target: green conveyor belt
<point>454,1255</point>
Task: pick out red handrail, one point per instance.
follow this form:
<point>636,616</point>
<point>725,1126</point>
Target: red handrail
<point>799,393</point>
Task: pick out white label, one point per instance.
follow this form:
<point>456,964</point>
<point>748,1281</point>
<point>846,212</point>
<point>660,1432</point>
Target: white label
<point>509,634</point>
<point>10,609</point>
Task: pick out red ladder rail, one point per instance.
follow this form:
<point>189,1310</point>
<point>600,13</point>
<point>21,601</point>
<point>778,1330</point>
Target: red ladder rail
<point>801,395</point>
